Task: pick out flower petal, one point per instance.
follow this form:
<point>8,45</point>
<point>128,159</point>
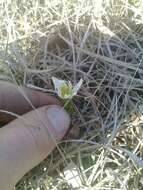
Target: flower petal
<point>61,85</point>
<point>77,87</point>
<point>58,84</point>
<point>64,88</point>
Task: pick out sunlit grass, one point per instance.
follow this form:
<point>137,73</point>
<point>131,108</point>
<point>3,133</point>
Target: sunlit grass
<point>101,42</point>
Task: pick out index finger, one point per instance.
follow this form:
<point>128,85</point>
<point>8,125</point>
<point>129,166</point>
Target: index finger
<point>21,101</point>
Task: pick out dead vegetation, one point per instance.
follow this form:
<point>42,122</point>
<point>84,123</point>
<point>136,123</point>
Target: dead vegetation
<point>100,42</point>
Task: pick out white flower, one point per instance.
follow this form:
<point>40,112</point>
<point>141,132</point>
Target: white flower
<point>64,88</point>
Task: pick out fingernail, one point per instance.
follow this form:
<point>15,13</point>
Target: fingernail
<point>58,117</point>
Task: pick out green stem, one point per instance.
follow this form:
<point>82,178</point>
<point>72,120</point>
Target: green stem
<point>69,106</point>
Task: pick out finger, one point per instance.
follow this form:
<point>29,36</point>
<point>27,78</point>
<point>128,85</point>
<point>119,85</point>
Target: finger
<point>12,100</point>
<point>25,142</point>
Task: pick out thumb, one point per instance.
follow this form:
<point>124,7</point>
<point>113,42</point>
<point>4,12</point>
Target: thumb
<point>26,141</point>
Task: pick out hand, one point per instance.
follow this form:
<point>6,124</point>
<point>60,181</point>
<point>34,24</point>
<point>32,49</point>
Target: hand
<point>27,140</point>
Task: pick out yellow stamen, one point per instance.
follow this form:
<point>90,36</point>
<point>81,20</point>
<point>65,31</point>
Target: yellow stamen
<point>65,90</point>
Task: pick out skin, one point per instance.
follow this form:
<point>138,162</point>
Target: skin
<point>12,100</point>
<point>26,141</point>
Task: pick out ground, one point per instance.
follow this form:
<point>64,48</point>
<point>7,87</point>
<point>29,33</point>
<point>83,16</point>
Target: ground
<point>100,41</point>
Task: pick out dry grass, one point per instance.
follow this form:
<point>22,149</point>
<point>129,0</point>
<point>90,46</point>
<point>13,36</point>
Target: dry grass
<point>101,42</point>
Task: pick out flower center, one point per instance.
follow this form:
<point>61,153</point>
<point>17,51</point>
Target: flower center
<point>66,90</point>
